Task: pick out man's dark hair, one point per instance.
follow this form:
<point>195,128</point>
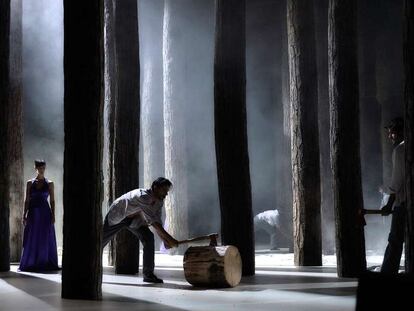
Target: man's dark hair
<point>39,163</point>
<point>161,181</point>
<point>396,125</point>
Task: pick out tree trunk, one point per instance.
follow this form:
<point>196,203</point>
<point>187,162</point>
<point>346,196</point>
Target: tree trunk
<point>328,221</point>
<point>389,72</point>
<point>152,127</point>
<point>304,127</point>
<point>15,136</point>
<point>109,111</point>
<point>409,129</point>
<point>286,214</point>
<point>174,54</point>
<point>4,133</point>
<point>345,156</point>
<point>231,130</point>
<point>127,114</point>
<point>83,113</point>
<point>371,130</point>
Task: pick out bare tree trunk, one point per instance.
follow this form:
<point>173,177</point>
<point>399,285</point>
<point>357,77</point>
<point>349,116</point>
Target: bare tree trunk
<point>231,130</point>
<point>16,135</point>
<point>4,133</point>
<point>152,126</point>
<point>83,114</point>
<point>127,115</point>
<point>286,215</point>
<point>389,69</point>
<point>174,45</point>
<point>409,129</point>
<point>109,111</point>
<point>371,130</point>
<point>345,150</point>
<point>304,125</point>
<point>284,167</point>
<point>328,221</point>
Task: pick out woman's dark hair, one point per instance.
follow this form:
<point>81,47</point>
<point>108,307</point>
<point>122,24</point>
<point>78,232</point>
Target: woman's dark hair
<point>161,181</point>
<point>39,163</point>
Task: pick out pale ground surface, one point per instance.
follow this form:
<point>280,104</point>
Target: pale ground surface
<point>277,285</point>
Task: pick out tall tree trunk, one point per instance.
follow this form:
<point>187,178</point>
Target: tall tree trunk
<point>127,115</point>
<point>109,110</point>
<point>174,45</point>
<point>286,214</point>
<point>304,127</point>
<point>231,130</point>
<point>328,221</point>
<point>15,136</point>
<point>4,133</point>
<point>371,130</point>
<point>83,114</point>
<point>409,129</point>
<point>151,25</point>
<point>345,156</point>
<point>389,72</point>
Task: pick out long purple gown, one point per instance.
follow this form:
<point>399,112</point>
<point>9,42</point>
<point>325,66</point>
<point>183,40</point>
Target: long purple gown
<point>39,241</point>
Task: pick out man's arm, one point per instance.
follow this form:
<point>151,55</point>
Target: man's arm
<point>387,208</point>
<point>168,240</point>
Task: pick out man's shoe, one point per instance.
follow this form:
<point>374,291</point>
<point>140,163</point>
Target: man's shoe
<point>152,278</point>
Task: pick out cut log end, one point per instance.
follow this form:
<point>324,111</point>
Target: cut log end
<point>209,266</point>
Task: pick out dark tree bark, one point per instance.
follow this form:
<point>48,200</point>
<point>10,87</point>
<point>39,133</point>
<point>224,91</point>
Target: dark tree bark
<point>409,129</point>
<point>15,136</point>
<point>231,132</point>
<point>110,100</point>
<point>4,132</point>
<point>83,115</point>
<point>286,215</point>
<point>304,125</point>
<point>345,156</point>
<point>327,211</point>
<point>126,125</point>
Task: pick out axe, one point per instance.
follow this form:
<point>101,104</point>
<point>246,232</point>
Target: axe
<point>212,237</point>
<point>364,212</point>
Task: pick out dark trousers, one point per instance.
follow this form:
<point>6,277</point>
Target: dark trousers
<point>393,252</point>
<point>142,233</point>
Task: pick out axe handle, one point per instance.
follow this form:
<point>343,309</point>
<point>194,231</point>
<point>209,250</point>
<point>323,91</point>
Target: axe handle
<point>199,238</point>
<point>372,212</point>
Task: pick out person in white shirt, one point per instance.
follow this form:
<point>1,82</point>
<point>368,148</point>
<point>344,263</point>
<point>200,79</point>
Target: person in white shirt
<point>268,221</point>
<point>396,201</point>
<point>136,211</point>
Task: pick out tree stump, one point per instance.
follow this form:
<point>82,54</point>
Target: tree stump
<point>213,266</point>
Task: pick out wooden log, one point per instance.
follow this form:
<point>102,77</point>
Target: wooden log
<point>213,266</point>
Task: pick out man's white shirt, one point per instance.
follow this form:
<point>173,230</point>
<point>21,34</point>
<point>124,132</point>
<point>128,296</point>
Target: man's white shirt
<point>397,185</point>
<point>140,201</point>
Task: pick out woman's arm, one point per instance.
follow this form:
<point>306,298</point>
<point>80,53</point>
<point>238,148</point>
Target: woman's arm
<point>26,201</point>
<point>52,200</point>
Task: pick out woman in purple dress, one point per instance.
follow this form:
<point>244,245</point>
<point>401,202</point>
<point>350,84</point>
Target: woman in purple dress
<point>39,241</point>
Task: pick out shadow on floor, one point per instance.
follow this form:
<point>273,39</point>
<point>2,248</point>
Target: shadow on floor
<point>49,292</point>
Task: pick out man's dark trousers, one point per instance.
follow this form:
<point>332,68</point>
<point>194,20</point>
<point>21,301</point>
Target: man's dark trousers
<point>393,252</point>
<point>142,233</point>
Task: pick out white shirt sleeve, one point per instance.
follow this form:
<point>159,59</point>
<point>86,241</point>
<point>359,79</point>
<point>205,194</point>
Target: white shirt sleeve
<point>398,162</point>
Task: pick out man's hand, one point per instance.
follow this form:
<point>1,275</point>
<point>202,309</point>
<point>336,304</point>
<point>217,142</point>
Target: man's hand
<point>170,243</point>
<point>386,210</point>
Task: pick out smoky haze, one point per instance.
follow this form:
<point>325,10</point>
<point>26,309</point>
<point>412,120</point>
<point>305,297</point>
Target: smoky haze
<point>43,102</point>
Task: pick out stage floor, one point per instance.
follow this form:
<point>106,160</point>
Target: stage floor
<point>277,285</point>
